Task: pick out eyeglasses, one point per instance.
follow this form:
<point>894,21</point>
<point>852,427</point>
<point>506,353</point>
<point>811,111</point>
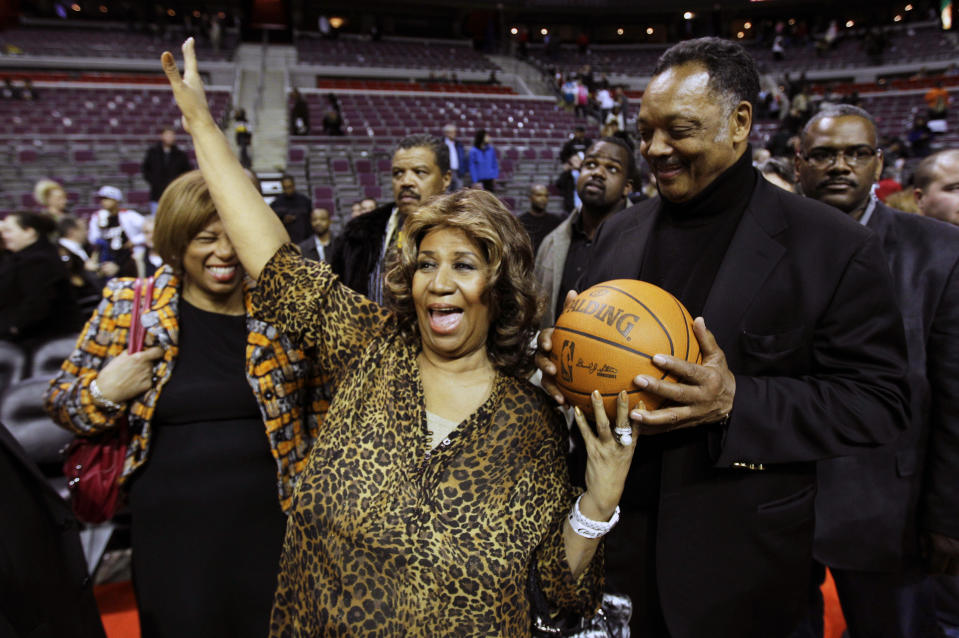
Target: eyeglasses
<point>853,156</point>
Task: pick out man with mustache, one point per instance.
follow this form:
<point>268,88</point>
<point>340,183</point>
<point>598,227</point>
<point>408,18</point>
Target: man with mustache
<point>605,179</point>
<point>873,509</point>
<point>421,169</point>
<point>804,358</point>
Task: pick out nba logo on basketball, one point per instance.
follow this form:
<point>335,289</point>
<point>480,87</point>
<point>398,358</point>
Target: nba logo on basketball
<point>566,361</point>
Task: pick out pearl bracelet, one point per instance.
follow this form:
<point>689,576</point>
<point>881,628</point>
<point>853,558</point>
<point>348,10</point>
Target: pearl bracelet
<point>101,401</point>
<point>587,527</point>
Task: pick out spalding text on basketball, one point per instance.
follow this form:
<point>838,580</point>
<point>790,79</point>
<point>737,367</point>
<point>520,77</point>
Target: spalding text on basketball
<point>614,317</point>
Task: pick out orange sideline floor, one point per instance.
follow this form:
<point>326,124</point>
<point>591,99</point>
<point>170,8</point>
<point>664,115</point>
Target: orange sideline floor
<point>119,611</point>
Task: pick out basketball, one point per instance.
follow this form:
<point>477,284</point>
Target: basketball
<point>609,334</point>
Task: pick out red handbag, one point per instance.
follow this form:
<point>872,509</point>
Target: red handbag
<point>94,464</point>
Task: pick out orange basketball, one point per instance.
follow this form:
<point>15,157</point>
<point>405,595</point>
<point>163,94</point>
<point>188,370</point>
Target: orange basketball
<point>609,334</point>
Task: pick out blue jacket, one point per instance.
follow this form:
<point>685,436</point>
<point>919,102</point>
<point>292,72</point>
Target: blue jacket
<point>483,163</point>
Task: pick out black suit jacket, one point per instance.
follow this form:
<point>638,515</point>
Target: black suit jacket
<point>868,506</point>
<point>355,251</point>
<point>299,206</point>
<point>159,169</point>
<point>45,591</point>
<point>804,310</point>
<point>308,247</point>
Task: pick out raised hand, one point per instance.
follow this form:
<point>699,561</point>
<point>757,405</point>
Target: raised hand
<point>188,89</point>
<point>704,393</point>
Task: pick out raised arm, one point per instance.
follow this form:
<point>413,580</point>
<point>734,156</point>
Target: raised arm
<point>255,230</point>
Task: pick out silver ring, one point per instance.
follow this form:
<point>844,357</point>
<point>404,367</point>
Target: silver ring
<point>624,435</point>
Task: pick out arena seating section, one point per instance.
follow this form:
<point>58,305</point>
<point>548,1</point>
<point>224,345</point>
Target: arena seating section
<point>527,133</point>
<point>86,136</point>
<point>392,54</point>
<point>97,43</point>
<point>922,44</point>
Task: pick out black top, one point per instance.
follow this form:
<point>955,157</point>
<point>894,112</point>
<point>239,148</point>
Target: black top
<point>577,260</point>
<point>702,227</point>
<point>160,167</point>
<point>299,207</point>
<point>207,528</point>
<point>209,380</point>
<point>538,226</point>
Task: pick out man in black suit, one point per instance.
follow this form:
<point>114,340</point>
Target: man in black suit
<point>873,508</point>
<point>293,209</point>
<point>804,358</point>
<point>420,169</point>
<point>316,245</point>
<point>163,163</point>
<point>45,590</point>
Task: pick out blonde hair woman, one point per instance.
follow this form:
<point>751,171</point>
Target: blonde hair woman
<point>51,197</point>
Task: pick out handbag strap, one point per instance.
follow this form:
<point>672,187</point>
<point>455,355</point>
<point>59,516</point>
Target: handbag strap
<point>142,298</point>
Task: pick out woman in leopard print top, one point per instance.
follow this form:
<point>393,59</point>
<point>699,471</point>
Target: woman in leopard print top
<point>438,480</point>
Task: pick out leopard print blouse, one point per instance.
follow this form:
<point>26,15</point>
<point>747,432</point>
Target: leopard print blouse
<point>387,537</point>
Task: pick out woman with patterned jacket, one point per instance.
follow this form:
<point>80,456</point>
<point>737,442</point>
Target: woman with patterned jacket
<point>439,484</point>
<point>222,410</point>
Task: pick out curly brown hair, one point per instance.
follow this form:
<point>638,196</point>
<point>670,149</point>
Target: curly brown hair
<point>513,293</point>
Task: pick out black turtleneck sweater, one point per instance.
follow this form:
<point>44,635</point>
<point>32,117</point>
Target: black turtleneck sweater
<point>683,254</point>
<point>689,240</point>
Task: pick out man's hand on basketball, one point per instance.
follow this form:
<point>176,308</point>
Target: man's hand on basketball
<point>188,90</point>
<point>544,344</point>
<point>703,394</point>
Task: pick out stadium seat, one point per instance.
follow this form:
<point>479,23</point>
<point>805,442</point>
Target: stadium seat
<point>13,364</point>
<point>21,410</point>
<point>48,358</point>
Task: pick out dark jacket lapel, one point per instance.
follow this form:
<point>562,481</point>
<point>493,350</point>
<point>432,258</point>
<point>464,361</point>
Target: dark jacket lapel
<point>750,258</point>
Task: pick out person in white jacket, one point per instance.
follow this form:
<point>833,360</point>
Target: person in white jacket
<point>114,232</point>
